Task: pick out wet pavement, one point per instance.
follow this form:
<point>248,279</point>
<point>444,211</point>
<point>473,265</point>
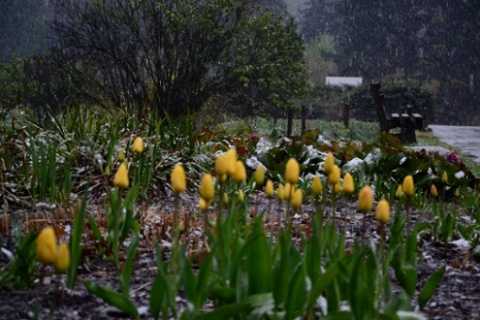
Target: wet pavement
<point>465,138</point>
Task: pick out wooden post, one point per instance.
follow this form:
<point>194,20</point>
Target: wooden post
<point>378,100</point>
<point>304,119</point>
<point>289,121</point>
<point>346,115</point>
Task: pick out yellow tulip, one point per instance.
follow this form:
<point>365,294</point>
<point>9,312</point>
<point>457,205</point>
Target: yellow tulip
<point>292,171</point>
<point>399,192</point>
<point>269,191</point>
<point>178,179</point>
<point>317,185</point>
<point>348,185</point>
<point>281,192</point>
<point>457,192</point>
<point>287,191</point>
<point>328,164</point>
<point>137,145</point>
<point>383,211</point>
<point>121,176</point>
<point>408,186</point>
<point>260,175</point>
<point>107,170</point>
<point>240,173</point>
<point>241,196</point>
<point>433,191</point>
<point>365,199</point>
<point>296,200</point>
<point>334,176</point>
<point>445,177</point>
<point>121,155</point>
<point>221,165</point>
<point>63,258</point>
<point>46,245</point>
<point>230,161</point>
<point>203,204</point>
<point>207,190</point>
<point>337,187</point>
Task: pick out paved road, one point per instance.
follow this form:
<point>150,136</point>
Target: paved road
<point>467,139</point>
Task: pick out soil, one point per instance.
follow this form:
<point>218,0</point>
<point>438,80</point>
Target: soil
<point>457,297</point>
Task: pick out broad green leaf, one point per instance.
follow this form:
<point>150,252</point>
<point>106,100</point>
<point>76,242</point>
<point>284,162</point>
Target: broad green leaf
<point>296,297</point>
<point>113,298</point>
<point>321,284</point>
<point>259,267</point>
<point>429,288</point>
<point>75,243</point>
<point>128,266</point>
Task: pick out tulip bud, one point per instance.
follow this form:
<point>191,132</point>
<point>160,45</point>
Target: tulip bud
<point>433,191</point>
<point>260,175</point>
<point>287,191</point>
<point>269,188</point>
<point>240,173</point>
<point>408,186</point>
<point>348,186</point>
<point>230,161</point>
<point>445,177</point>
<point>137,145</point>
<point>63,258</point>
<point>207,190</point>
<point>221,165</point>
<point>399,192</point>
<point>317,185</point>
<point>334,176</point>
<point>121,155</point>
<point>292,171</point>
<point>281,192</point>
<point>383,211</point>
<point>46,245</point>
<point>457,192</point>
<point>181,226</point>
<point>120,180</point>
<point>241,196</point>
<point>365,199</point>
<point>328,164</point>
<point>178,179</point>
<point>337,187</point>
<point>107,170</point>
<point>203,204</point>
<point>296,200</point>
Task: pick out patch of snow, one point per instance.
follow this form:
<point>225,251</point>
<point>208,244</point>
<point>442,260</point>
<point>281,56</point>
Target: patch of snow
<point>254,163</point>
<point>460,175</point>
<point>353,165</point>
<point>263,146</point>
<point>373,156</point>
<point>461,243</point>
<point>402,161</point>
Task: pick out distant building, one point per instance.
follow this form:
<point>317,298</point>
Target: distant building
<point>344,81</point>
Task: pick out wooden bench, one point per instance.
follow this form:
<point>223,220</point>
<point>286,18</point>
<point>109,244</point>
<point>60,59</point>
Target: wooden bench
<point>406,120</point>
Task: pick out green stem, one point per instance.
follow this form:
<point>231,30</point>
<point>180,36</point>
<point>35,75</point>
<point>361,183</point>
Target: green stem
<point>116,215</point>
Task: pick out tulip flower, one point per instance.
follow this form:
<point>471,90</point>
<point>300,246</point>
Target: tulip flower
<point>62,262</point>
<point>46,245</point>
<point>399,192</point>
<point>348,186</point>
<point>317,187</point>
<point>337,187</point>
<point>260,175</point>
<point>334,175</point>
<point>207,190</point>
<point>281,192</point>
<point>445,177</point>
<point>178,179</point>
<point>221,165</point>
<point>287,191</point>
<point>203,204</point>
<point>121,155</point>
<point>383,211</point>
<point>328,164</point>
<point>269,188</point>
<point>241,196</point>
<point>408,186</point>
<point>433,191</point>
<point>120,180</point>
<point>240,173</point>
<point>292,171</point>
<point>230,162</point>
<point>365,204</point>
<point>137,145</point>
<point>296,200</point>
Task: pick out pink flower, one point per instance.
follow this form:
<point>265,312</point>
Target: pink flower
<point>453,157</point>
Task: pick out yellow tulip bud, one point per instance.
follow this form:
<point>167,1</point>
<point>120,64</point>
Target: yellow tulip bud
<point>328,164</point>
<point>296,200</point>
<point>203,204</point>
<point>269,191</point>
<point>181,226</point>
<point>383,211</point>
<point>260,175</point>
<point>240,174</point>
<point>287,191</point>
<point>121,155</point>
<point>46,245</point>
<point>281,192</point>
<point>317,185</point>
<point>457,192</point>
<point>445,177</point>
<point>225,198</point>
<point>334,176</point>
<point>337,187</point>
<point>241,196</point>
<point>365,199</point>
<point>433,191</point>
<point>178,179</point>
<point>399,192</point>
<point>207,190</point>
<point>63,258</point>
<point>121,177</point>
<point>137,145</point>
<point>292,171</point>
<point>408,186</point>
<point>107,170</point>
<point>221,165</point>
<point>230,161</point>
<point>348,185</point>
